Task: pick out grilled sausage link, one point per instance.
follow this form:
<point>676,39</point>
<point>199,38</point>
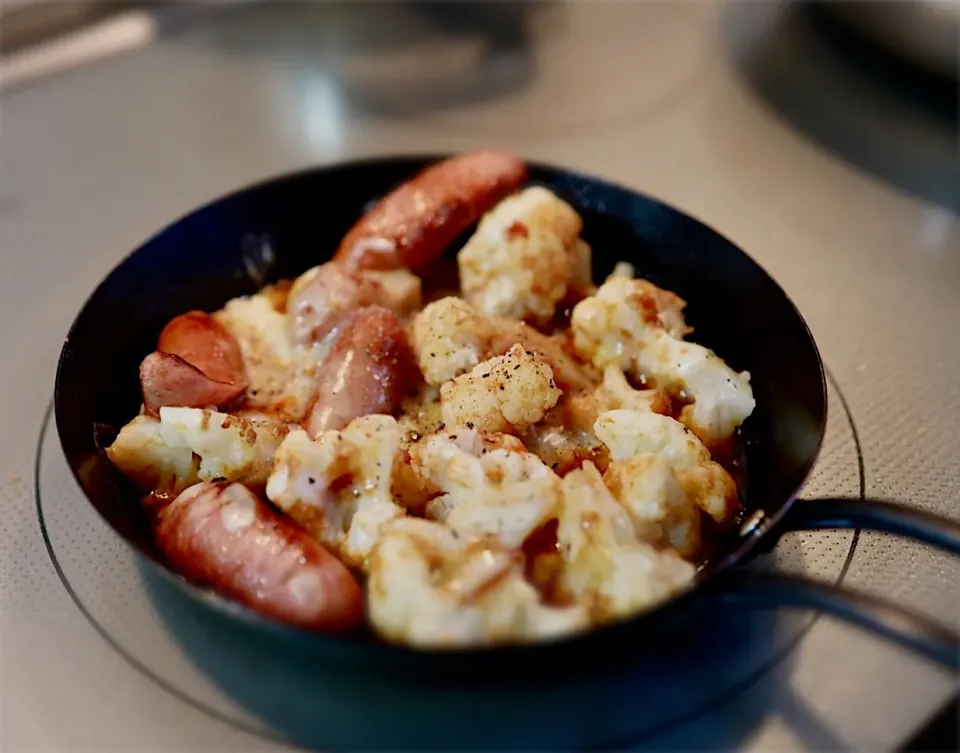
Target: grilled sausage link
<point>221,534</point>
<point>414,223</point>
<point>367,371</point>
<point>197,364</point>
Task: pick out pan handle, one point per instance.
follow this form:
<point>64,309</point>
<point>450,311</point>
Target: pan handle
<point>913,631</point>
<point>875,515</point>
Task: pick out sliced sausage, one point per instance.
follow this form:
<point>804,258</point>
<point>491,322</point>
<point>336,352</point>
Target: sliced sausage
<point>221,534</point>
<point>414,224</point>
<point>367,371</point>
<point>166,379</point>
<point>202,341</point>
<point>197,364</point>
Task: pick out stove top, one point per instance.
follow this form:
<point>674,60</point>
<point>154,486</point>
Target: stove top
<point>95,654</point>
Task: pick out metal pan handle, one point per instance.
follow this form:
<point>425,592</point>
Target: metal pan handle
<point>920,634</point>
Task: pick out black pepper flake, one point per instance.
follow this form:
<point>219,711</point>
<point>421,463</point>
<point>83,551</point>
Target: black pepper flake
<point>311,480</point>
<point>484,376</point>
<point>501,388</point>
<point>441,427</point>
<point>516,367</point>
<point>453,437</point>
<point>554,465</point>
<point>469,424</point>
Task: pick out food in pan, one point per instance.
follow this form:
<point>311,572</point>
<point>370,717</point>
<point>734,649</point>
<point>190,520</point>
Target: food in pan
<point>524,459</point>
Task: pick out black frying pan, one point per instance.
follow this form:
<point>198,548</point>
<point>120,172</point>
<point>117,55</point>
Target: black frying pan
<point>282,227</point>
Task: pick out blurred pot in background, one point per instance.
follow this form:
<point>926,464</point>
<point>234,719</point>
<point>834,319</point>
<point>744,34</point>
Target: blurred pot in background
<point>922,32</point>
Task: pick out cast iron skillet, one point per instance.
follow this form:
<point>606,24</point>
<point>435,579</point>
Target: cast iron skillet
<point>280,228</point>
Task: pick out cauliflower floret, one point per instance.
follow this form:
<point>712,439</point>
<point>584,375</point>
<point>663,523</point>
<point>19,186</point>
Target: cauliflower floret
<point>630,433</point>
<point>615,393</point>
<point>502,491</point>
<point>188,445</point>
<point>280,372</point>
<point>609,327</point>
<point>399,290</point>
<point>521,258</point>
<point>508,393</point>
<point>429,588</point>
<point>607,568</point>
<point>722,398</point>
<point>656,502</point>
<point>636,327</point>
<point>449,338</point>
<point>338,485</point>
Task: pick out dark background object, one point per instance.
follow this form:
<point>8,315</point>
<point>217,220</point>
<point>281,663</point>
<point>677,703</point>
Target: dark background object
<point>882,114</point>
<point>941,734</point>
<point>270,231</point>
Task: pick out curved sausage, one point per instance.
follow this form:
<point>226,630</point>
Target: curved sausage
<point>326,299</point>
<point>367,371</point>
<point>197,364</point>
<point>414,223</point>
<point>220,533</point>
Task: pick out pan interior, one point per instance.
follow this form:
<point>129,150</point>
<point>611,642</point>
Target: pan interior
<point>278,229</point>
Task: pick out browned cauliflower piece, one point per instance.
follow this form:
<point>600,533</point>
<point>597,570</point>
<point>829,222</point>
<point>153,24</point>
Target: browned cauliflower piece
<point>607,567</point>
<point>705,482</point>
<point>187,445</point>
<point>615,393</point>
<point>656,502</point>
<point>522,256</point>
<point>427,587</point>
<point>279,369</point>
<point>338,486</point>
<point>636,327</point>
<point>491,485</point>
<point>507,393</point>
<point>449,338</point>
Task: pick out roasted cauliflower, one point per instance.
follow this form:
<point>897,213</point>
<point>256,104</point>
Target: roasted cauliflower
<point>279,371</point>
<point>491,485</point>
<point>450,337</point>
<point>429,587</point>
<point>338,486</point>
<point>507,393</point>
<point>634,326</point>
<point>607,567</point>
<point>522,256</point>
<point>188,445</point>
<point>662,512</point>
<point>630,433</point>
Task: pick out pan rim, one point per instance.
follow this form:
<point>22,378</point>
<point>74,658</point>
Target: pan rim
<point>230,608</point>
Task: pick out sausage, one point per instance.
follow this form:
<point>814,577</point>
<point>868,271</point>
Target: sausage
<point>221,534</point>
<point>202,341</point>
<point>414,223</point>
<point>326,299</point>
<point>166,379</point>
<point>368,370</point>
<point>197,364</point>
